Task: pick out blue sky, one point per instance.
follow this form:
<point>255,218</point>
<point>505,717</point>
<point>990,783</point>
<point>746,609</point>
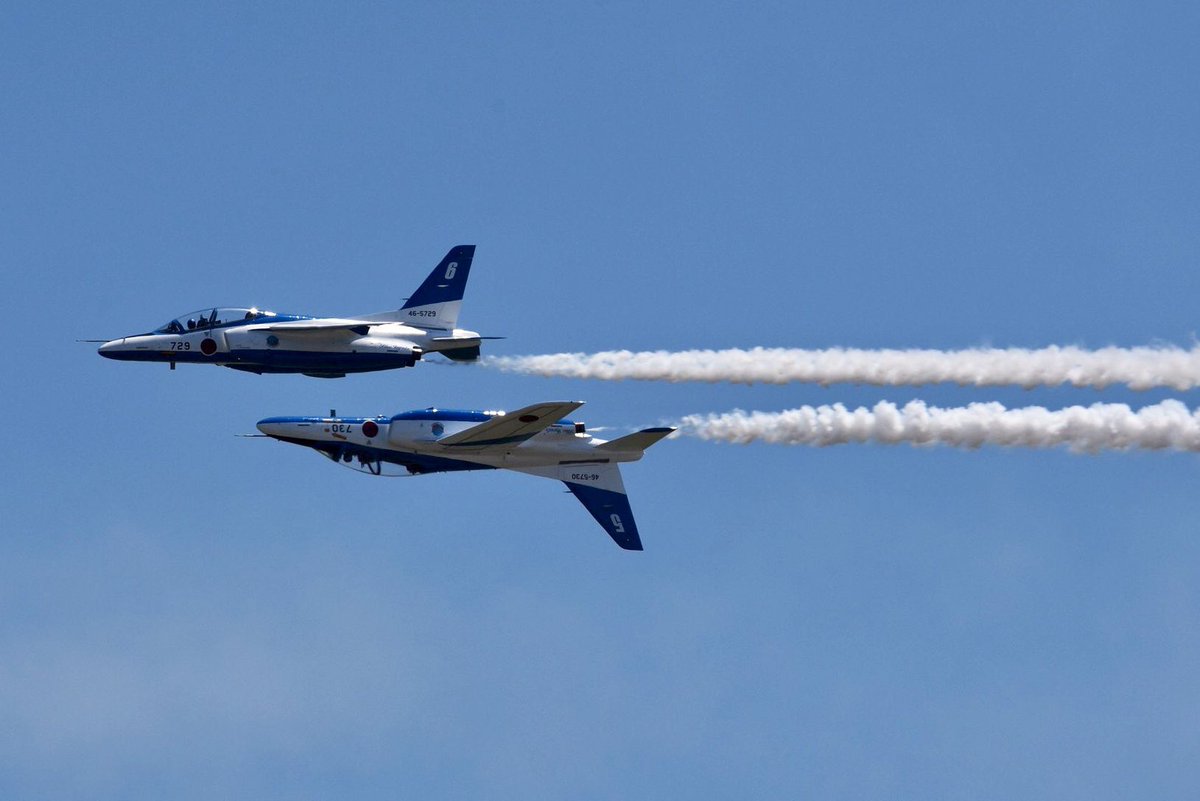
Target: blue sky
<point>188,614</point>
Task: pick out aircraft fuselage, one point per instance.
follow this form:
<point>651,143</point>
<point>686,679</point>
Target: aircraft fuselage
<point>412,440</point>
<point>333,351</point>
<point>260,341</point>
<point>536,440</point>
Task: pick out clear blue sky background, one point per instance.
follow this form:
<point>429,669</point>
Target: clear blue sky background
<point>186,614</point>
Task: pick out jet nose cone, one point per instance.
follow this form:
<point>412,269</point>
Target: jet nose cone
<point>276,426</point>
<point>110,349</point>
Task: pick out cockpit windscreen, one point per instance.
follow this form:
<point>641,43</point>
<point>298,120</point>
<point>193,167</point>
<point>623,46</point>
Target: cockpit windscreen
<point>211,318</point>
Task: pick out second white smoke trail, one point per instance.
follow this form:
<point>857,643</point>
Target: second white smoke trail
<point>1139,368</point>
<point>1169,425</point>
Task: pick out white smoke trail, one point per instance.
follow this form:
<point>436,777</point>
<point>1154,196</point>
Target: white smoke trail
<point>1139,368</point>
<point>1169,425</point>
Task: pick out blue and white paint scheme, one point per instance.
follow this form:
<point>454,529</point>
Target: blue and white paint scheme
<point>537,440</point>
<point>259,341</point>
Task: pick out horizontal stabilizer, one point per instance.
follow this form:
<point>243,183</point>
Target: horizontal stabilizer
<point>637,441</point>
<point>514,427</point>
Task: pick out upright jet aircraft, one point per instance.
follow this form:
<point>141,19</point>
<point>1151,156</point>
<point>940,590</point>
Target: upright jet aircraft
<point>534,440</point>
<point>260,341</point>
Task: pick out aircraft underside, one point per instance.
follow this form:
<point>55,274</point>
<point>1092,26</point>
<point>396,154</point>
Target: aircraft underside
<point>372,460</point>
<point>318,363</point>
<point>537,440</point>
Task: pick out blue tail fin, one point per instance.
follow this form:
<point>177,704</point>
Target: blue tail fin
<point>438,299</point>
<point>598,486</point>
<point>610,508</point>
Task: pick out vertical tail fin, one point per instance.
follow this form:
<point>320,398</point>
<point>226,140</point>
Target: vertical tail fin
<point>438,299</point>
<point>602,493</point>
<point>599,487</point>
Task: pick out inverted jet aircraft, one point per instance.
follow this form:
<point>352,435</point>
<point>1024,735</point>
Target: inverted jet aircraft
<point>537,440</point>
<point>258,341</point>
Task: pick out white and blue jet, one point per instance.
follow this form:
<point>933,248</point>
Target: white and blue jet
<point>536,440</point>
<point>259,341</point>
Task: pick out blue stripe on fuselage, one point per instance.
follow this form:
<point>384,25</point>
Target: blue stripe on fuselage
<point>292,361</point>
<point>325,420</point>
<point>445,415</point>
<point>275,361</point>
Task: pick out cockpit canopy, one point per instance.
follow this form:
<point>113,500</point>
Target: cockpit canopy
<point>212,318</point>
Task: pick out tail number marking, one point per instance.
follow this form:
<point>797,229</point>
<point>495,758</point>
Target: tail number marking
<point>585,476</point>
<point>422,313</point>
<point>618,526</point>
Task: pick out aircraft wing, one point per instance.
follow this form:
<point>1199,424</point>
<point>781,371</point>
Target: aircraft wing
<point>513,427</point>
<point>322,324</point>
